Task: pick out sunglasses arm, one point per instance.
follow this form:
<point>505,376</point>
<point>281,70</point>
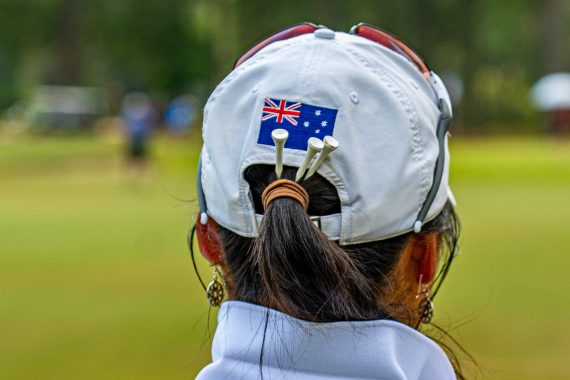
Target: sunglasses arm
<point>440,92</point>
<point>444,106</point>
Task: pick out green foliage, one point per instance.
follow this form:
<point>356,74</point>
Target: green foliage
<point>171,46</point>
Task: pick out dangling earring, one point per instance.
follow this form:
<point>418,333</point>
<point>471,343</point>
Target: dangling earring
<point>215,291</point>
<point>426,306</point>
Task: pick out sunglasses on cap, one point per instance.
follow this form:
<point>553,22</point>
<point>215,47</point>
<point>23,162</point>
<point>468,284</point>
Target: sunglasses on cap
<point>370,32</point>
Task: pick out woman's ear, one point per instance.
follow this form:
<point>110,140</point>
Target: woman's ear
<point>424,257</point>
<point>209,240</point>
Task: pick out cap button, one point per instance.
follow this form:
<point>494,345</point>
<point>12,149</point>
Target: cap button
<point>324,33</point>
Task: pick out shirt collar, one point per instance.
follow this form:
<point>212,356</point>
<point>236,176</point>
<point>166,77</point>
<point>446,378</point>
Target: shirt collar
<point>291,348</point>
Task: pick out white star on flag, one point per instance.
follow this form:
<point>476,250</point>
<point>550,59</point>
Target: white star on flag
<point>306,123</point>
<point>318,112</point>
<point>324,123</point>
<point>317,130</point>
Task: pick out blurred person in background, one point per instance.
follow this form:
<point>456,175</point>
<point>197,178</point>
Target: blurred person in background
<point>139,117</point>
<point>180,114</point>
<point>325,209</point>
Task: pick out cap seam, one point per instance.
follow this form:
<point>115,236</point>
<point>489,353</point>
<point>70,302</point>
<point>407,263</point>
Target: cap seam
<point>413,119</point>
<point>305,69</point>
<point>309,75</point>
<point>260,56</point>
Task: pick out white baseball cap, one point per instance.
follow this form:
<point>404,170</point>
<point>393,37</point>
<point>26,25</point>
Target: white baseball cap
<point>391,168</point>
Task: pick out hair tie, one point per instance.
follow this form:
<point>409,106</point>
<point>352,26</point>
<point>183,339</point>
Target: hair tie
<point>285,188</point>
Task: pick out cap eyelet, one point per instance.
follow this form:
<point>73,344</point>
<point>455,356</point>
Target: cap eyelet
<point>354,97</point>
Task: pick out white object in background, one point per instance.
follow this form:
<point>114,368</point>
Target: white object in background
<point>552,92</point>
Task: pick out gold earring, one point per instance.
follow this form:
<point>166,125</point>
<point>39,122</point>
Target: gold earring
<point>426,306</point>
<point>215,291</point>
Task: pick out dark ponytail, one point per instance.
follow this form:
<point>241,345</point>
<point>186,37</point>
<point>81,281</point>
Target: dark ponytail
<point>300,266</point>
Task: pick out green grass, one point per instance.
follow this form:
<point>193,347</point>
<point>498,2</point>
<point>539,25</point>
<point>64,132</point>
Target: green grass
<point>96,282</point>
<point>510,284</point>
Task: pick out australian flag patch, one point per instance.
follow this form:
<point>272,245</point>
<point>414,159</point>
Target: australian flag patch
<point>299,119</point>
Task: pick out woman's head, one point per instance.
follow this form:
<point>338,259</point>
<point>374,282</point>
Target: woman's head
<point>353,253</point>
<point>293,266</point>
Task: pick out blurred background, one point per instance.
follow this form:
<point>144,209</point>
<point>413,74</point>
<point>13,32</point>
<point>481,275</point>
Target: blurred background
<point>100,118</point>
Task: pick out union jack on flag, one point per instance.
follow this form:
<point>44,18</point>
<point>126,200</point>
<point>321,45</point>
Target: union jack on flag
<point>281,111</point>
<point>301,120</point>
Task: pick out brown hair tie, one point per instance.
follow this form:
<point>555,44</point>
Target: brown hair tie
<point>285,188</point>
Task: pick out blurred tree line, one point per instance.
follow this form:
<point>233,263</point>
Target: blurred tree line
<point>494,49</point>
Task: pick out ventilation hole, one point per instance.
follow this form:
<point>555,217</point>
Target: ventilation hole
<point>354,97</point>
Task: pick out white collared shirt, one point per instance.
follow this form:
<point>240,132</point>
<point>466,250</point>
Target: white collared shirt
<point>290,348</point>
